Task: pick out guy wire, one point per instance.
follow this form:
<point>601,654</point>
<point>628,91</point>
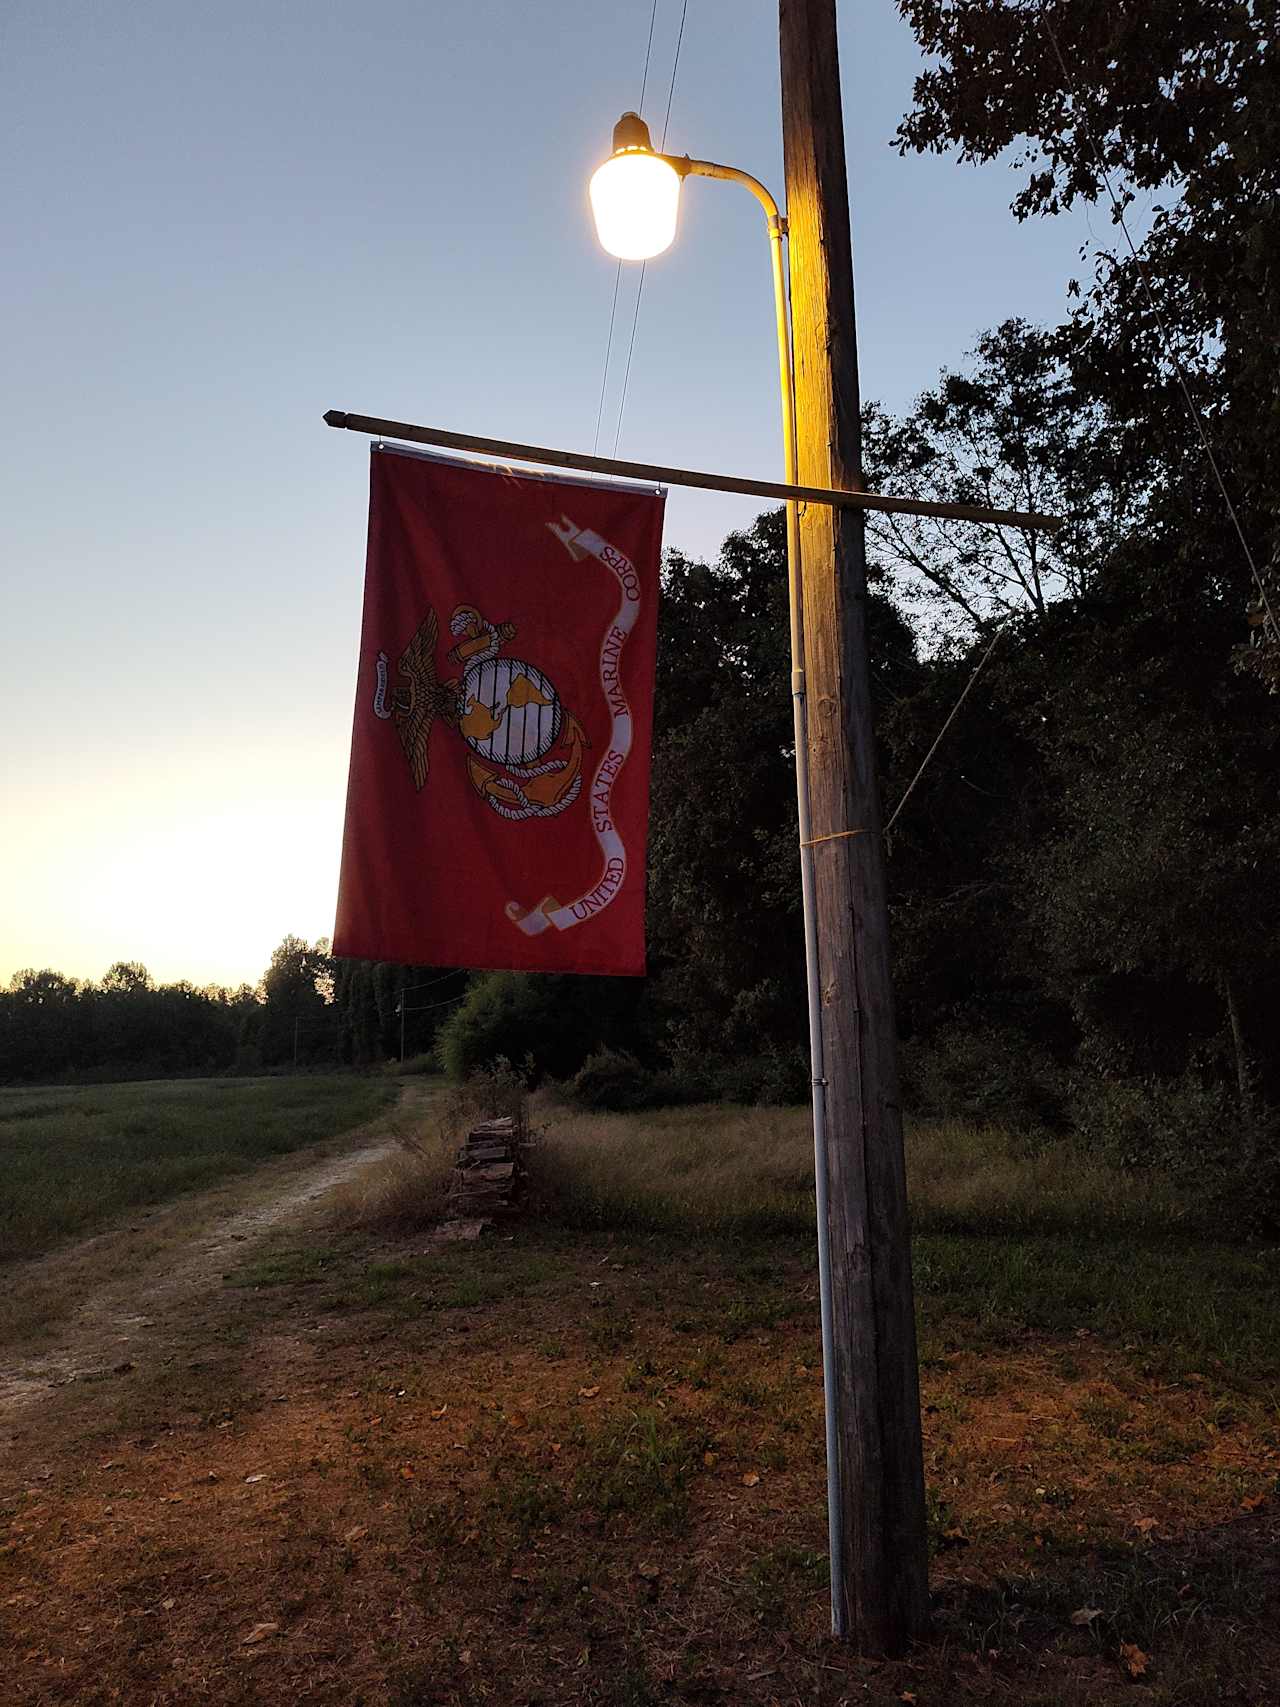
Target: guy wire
<point>937,741</point>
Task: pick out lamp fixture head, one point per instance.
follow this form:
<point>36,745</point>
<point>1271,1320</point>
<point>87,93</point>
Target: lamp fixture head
<point>635,195</point>
<point>631,132</point>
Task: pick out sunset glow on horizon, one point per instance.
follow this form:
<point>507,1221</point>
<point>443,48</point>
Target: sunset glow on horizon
<point>197,888</point>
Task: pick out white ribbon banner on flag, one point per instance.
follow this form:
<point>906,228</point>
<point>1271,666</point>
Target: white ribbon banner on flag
<point>580,543</point>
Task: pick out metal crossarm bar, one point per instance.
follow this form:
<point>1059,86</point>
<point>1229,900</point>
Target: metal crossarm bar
<point>780,490</point>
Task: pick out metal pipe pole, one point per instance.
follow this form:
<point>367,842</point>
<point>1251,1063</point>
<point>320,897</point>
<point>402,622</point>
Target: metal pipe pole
<point>813,986</point>
<point>881,1471</point>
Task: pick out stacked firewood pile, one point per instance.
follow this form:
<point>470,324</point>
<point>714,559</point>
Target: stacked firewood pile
<point>488,1176</point>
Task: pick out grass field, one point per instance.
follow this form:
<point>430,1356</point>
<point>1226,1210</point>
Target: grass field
<point>73,1159</point>
<point>579,1464</point>
<point>1007,1237</point>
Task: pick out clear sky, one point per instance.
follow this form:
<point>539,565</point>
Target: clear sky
<point>220,221</point>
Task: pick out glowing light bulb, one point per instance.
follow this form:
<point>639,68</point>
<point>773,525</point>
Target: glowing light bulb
<point>635,195</point>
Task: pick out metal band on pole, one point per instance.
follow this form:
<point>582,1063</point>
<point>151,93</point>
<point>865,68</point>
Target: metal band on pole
<point>781,491</point>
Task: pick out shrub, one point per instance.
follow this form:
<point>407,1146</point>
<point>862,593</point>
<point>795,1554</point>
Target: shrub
<point>552,1020</point>
<point>968,1071</point>
<point>613,1080</point>
<point>488,1094</point>
<point>1194,1132</point>
<point>775,1077</point>
<point>1143,1123</point>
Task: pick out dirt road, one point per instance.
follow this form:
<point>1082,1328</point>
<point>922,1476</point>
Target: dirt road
<point>123,1297</point>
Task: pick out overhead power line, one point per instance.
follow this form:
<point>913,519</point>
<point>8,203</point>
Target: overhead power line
<point>617,277</point>
<point>626,377</point>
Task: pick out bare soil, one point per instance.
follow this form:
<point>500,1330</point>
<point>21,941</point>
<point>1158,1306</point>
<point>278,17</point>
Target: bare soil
<point>122,1296</point>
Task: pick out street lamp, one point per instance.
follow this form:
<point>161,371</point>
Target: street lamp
<point>635,198</point>
<point>635,195</point>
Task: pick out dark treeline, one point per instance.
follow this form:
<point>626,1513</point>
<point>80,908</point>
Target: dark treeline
<point>308,1010</point>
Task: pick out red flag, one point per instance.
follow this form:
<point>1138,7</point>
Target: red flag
<point>498,797</point>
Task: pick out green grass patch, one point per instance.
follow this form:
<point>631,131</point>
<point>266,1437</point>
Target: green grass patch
<point>74,1160</point>
<point>1191,1305</point>
<point>302,1267</point>
<point>1010,1238</point>
<point>640,1463</point>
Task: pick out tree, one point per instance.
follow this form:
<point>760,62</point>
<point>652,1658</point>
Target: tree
<point>547,1022</point>
<point>367,996</point>
<point>126,978</point>
<point>725,939</point>
<point>1150,893</point>
<point>1013,432</point>
<point>1180,99</point>
<point>44,1025</point>
<point>297,1020</point>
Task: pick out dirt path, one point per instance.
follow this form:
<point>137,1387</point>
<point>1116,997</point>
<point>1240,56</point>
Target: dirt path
<point>124,1296</point>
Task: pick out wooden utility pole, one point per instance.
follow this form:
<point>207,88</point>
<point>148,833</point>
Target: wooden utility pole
<point>879,1460</point>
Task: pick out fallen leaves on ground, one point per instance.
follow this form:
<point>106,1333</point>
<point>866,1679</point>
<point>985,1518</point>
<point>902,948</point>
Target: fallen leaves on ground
<point>1133,1659</point>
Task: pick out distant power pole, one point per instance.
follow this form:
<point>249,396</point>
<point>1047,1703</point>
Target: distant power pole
<point>881,1544</point>
<point>295,1044</point>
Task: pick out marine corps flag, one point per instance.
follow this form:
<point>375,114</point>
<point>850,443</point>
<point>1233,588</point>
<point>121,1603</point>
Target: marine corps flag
<point>498,797</point>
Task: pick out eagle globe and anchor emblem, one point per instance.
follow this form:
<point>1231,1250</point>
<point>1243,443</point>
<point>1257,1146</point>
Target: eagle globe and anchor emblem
<point>525,757</point>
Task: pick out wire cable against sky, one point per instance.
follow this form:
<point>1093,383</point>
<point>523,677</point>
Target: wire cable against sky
<point>430,984</point>
<point>675,64</point>
<point>608,348</point>
<point>617,277</point>
<point>937,740</point>
<point>1193,407</point>
<point>626,377</point>
<point>648,49</point>
<point>428,1007</point>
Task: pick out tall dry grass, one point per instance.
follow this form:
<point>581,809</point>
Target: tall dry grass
<point>731,1169</point>
<point>408,1190</point>
<point>404,1191</point>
